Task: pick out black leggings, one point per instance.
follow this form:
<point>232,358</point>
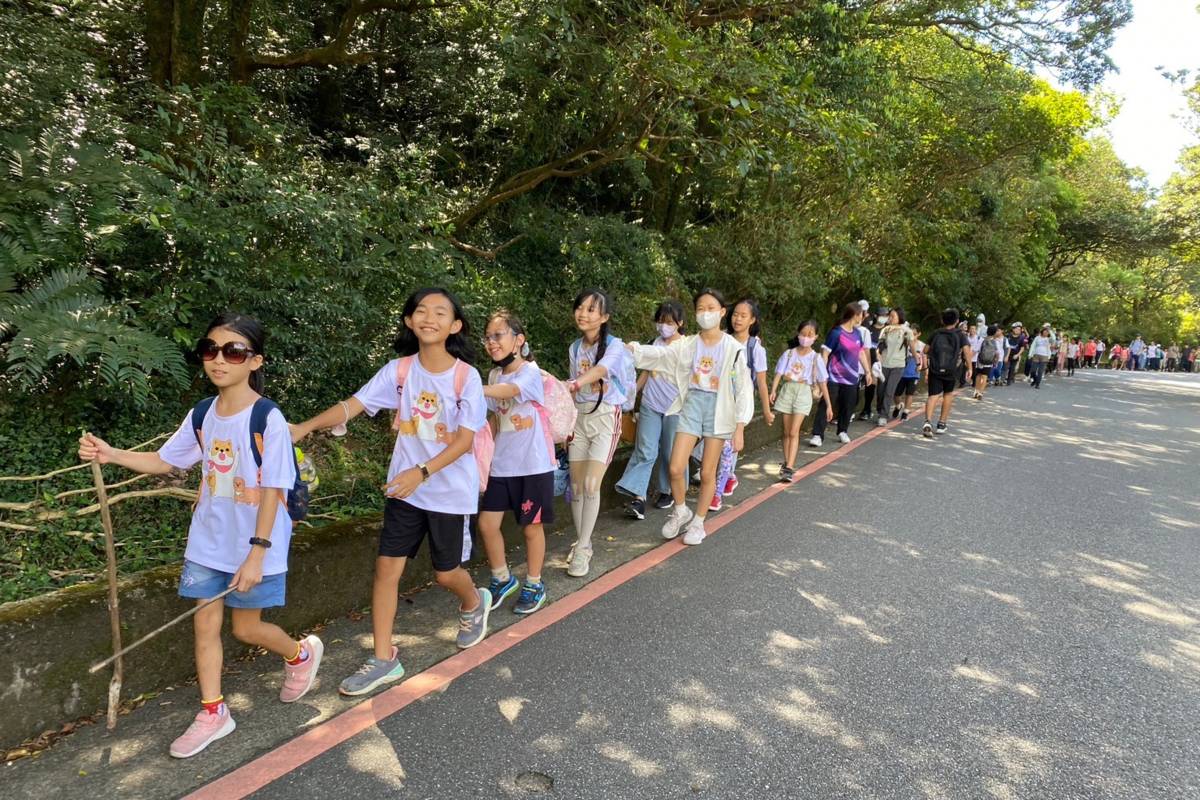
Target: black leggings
<point>844,398</point>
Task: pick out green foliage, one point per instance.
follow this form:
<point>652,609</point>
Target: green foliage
<point>325,159</point>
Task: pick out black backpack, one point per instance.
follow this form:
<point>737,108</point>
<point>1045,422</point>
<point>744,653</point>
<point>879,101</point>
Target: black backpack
<point>944,352</point>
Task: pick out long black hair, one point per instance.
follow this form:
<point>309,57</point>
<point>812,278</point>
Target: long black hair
<point>457,344</point>
<point>601,299</point>
<point>255,335</point>
<point>752,304</point>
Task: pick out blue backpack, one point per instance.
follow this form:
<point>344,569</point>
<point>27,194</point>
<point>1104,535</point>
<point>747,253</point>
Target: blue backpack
<point>624,377</point>
<point>298,496</point>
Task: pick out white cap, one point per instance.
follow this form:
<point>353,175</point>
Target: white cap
<point>865,305</point>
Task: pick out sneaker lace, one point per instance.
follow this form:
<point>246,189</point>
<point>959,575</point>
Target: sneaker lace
<point>367,666</point>
<point>464,622</point>
<point>528,594</point>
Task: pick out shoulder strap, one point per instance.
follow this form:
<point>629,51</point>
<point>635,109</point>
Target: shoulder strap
<point>199,412</point>
<point>402,368</point>
<point>461,370</point>
<point>258,427</point>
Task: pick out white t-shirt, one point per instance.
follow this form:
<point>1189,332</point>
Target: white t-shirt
<point>659,392</point>
<point>522,447</point>
<point>430,415</point>
<point>226,515</point>
<point>808,368</point>
<point>976,342</point>
<point>1072,350</point>
<point>706,368</point>
<point>760,355</point>
<point>583,358</point>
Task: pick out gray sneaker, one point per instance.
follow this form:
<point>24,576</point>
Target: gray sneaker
<point>677,520</point>
<point>372,674</point>
<point>472,625</point>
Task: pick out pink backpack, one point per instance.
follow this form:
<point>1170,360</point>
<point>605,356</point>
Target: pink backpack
<point>557,412</point>
<point>485,445</point>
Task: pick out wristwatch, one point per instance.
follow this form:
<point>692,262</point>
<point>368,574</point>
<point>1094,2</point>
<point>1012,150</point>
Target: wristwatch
<point>266,543</point>
<point>424,472</point>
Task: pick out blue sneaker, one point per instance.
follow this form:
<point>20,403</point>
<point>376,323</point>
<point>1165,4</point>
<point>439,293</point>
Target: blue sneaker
<point>502,590</point>
<point>533,597</point>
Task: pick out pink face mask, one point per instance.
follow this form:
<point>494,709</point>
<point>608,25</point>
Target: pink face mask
<point>807,341</point>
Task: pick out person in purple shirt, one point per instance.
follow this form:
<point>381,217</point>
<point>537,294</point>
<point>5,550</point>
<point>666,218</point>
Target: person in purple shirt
<point>846,359</point>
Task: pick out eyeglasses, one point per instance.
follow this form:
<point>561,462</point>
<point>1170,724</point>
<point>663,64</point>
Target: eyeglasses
<point>234,352</point>
<point>496,337</point>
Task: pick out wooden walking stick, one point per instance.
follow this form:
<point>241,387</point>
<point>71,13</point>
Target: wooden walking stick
<point>114,615</point>
<point>117,655</point>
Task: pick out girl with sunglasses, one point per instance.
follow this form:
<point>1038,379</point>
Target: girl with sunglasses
<point>522,475</point>
<point>432,484</point>
<point>240,528</point>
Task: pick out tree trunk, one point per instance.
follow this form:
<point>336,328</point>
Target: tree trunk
<point>239,30</point>
<point>159,24</point>
<point>175,40</point>
<point>187,48</point>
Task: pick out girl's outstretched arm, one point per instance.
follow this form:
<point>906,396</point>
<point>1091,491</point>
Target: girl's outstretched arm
<point>338,414</point>
<point>93,448</point>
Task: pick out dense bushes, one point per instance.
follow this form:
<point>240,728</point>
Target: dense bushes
<point>312,163</point>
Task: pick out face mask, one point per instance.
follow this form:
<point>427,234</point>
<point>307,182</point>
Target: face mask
<point>707,320</point>
<point>667,331</point>
<point>881,320</point>
<point>504,362</point>
<point>807,341</point>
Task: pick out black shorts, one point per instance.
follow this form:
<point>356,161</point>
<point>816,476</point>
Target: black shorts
<point>529,497</point>
<point>907,387</point>
<point>942,384</point>
<point>405,527</point>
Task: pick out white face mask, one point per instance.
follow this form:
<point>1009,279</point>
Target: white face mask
<point>667,331</point>
<point>882,320</point>
<point>707,320</point>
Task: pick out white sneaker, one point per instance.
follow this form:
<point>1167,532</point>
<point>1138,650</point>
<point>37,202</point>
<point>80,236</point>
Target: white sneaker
<point>815,441</point>
<point>580,562</point>
<point>844,437</point>
<point>679,517</point>
<point>695,531</point>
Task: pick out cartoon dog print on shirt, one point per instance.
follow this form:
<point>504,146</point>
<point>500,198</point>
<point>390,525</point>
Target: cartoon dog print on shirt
<point>510,422</point>
<point>796,371</point>
<point>427,420</point>
<point>704,373</point>
<point>222,469</point>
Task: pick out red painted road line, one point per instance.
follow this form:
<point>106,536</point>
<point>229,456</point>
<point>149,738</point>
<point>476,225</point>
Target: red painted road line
<point>256,774</point>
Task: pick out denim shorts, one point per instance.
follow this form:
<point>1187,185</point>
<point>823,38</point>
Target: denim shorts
<point>200,583</point>
<point>699,415</point>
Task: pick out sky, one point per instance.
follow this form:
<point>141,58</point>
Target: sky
<point>1147,132</point>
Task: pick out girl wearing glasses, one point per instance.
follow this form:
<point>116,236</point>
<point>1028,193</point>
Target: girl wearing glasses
<point>522,475</point>
<point>240,527</point>
<point>433,478</point>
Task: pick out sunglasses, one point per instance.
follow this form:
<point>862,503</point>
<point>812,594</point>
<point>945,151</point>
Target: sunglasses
<point>234,352</point>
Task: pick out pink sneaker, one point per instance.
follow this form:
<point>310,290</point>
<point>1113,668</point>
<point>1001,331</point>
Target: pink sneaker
<point>298,678</point>
<point>716,504</point>
<point>205,729</point>
<point>730,485</point>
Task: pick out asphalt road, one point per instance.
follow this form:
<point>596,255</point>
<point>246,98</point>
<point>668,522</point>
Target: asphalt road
<point>1009,611</point>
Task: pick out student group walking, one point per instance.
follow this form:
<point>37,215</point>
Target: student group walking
<point>466,449</point>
